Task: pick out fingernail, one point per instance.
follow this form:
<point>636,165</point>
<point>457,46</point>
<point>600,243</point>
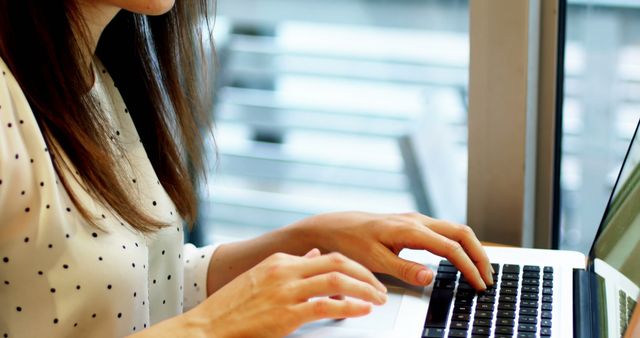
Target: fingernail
<point>492,270</point>
<point>490,277</point>
<point>424,277</point>
<point>382,288</point>
<point>312,253</point>
<point>383,297</point>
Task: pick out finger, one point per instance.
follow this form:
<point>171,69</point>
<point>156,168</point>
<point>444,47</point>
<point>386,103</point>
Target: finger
<point>338,297</point>
<point>312,253</point>
<point>330,308</point>
<point>408,271</point>
<point>470,243</point>
<point>340,263</point>
<point>336,283</point>
<point>427,239</point>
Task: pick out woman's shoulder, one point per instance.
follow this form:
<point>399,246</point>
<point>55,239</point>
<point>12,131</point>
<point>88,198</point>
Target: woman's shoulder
<point>5,73</point>
<point>20,135</point>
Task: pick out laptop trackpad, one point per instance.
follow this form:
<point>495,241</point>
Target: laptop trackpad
<point>381,319</point>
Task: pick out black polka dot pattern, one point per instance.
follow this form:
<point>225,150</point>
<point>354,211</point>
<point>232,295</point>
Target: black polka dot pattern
<point>85,276</point>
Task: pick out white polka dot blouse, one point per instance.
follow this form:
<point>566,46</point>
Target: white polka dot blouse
<point>60,276</point>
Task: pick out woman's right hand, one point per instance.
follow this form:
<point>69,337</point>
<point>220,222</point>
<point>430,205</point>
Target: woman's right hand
<point>284,292</point>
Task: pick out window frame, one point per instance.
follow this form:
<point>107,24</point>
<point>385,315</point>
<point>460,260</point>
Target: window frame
<point>515,93</point>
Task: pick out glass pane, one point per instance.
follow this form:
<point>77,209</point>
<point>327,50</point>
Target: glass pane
<point>337,105</point>
<point>601,109</point>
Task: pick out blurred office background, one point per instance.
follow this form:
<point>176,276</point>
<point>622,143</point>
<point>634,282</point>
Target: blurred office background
<point>362,105</point>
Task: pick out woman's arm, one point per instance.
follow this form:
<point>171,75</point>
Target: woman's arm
<point>232,259</point>
<point>374,240</point>
<point>277,296</point>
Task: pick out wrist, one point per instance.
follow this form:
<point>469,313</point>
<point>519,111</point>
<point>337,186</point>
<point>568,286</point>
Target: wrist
<point>197,324</point>
<point>307,234</point>
<point>189,324</point>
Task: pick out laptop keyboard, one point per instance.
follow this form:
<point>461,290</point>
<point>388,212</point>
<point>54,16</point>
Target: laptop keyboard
<point>627,305</point>
<point>517,305</point>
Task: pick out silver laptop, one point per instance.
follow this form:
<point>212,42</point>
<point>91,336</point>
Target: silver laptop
<point>537,293</point>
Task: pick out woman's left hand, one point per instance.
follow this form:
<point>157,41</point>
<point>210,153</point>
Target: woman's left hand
<point>375,240</point>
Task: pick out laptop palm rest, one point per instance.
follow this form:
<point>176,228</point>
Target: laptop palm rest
<point>381,320</point>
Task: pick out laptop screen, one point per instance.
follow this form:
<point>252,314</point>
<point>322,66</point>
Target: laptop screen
<point>616,250</point>
<point>618,239</point>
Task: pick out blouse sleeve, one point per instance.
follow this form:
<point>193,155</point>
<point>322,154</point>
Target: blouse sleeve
<point>196,266</point>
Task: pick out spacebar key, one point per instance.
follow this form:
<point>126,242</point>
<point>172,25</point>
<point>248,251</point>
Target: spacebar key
<point>439,305</point>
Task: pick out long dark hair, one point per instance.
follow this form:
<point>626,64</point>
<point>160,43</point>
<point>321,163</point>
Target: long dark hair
<point>160,64</point>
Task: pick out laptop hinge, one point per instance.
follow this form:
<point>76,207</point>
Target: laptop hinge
<point>589,304</point>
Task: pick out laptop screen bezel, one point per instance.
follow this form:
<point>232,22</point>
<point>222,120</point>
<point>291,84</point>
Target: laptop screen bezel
<point>601,226</point>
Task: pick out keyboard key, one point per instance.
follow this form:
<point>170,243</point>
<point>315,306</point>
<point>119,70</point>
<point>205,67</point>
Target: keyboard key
<point>529,303</point>
<point>529,296</point>
<point>446,276</point>
<point>507,306</point>
<point>459,325</point>
<point>531,268</point>
<point>530,289</point>
<point>547,291</point>
<point>545,331</point>
<point>526,327</point>
<point>433,332</point>
<point>447,269</point>
<point>504,329</point>
<point>462,309</point>
<point>547,276</point>
<point>484,314</point>
<point>506,314</point>
<point>507,299</point>
<point>439,308</point>
<point>446,262</point>
<point>548,269</point>
<point>527,311</point>
<point>466,294</point>
<point>631,304</point>
<point>530,281</point>
<point>545,323</point>
<point>547,299</point>
<point>546,315</point>
<point>486,299</point>
<point>465,286</point>
<point>484,306</point>
<point>489,291</point>
<point>458,333</point>
<point>509,291</point>
<point>444,284</point>
<point>509,284</point>
<point>526,335</point>
<point>485,322</point>
<point>547,283</point>
<point>461,316</point>
<point>496,267</point>
<point>505,321</point>
<point>481,331</point>
<point>510,276</point>
<point>511,268</point>
<point>530,274</point>
<point>528,319</point>
<point>547,307</point>
<point>463,301</point>
<point>503,336</point>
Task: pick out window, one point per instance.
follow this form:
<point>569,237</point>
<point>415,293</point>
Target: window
<point>337,105</point>
<point>601,109</point>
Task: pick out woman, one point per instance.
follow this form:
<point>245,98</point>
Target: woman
<point>102,108</point>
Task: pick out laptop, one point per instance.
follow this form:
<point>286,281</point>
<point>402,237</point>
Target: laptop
<point>537,293</point>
